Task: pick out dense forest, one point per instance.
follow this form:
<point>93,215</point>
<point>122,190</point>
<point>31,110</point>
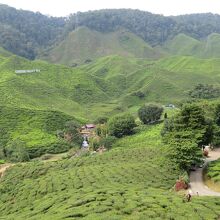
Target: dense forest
<point>25,33</point>
<point>154,29</point>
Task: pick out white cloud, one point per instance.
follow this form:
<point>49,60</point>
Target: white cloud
<point>166,7</point>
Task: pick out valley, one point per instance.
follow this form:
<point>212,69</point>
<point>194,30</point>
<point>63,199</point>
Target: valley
<point>150,87</point>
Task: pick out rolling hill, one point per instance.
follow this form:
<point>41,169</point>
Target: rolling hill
<point>104,87</point>
<point>184,45</point>
<point>212,47</point>
<point>83,45</point>
<point>114,62</point>
<point>109,84</point>
<point>35,128</point>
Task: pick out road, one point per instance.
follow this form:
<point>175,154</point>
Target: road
<point>197,185</point>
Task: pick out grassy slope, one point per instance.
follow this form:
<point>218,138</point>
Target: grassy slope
<point>56,87</point>
<point>212,47</point>
<point>166,80</point>
<point>125,183</point>
<point>184,45</point>
<point>34,127</point>
<point>84,44</point>
<point>105,86</point>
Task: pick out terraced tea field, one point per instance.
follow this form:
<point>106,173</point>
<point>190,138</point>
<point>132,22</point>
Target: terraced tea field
<point>124,183</point>
<point>213,175</point>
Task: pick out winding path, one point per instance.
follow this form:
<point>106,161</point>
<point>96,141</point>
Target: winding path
<point>196,177</point>
<point>3,168</point>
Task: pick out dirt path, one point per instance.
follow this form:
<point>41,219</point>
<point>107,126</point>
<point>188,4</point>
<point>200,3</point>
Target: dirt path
<point>53,157</point>
<point>4,167</point>
<point>196,177</point>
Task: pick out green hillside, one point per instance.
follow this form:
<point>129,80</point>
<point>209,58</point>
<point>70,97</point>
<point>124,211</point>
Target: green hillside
<point>212,47</point>
<point>166,80</point>
<point>37,129</point>
<point>184,45</point>
<point>108,85</point>
<point>104,87</point>
<point>84,44</point>
<point>26,33</point>
<point>125,183</point>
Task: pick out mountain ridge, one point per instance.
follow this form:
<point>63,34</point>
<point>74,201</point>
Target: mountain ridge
<point>42,32</point>
<point>83,45</point>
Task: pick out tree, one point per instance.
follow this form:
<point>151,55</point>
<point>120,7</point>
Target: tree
<point>72,132</point>
<point>108,141</point>
<point>165,115</point>
<point>121,125</point>
<point>150,113</point>
<point>16,151</point>
<point>217,114</point>
<point>205,91</point>
<point>189,124</point>
<point>185,153</point>
<point>101,120</point>
<point>102,130</point>
<point>216,126</point>
<point>185,132</point>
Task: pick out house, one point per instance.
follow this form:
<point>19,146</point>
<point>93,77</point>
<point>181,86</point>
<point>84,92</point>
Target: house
<point>88,130</point>
<point>89,127</point>
<point>170,106</point>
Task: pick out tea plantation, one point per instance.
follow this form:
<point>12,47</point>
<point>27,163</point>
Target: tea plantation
<point>213,175</point>
<point>37,128</point>
<point>124,183</point>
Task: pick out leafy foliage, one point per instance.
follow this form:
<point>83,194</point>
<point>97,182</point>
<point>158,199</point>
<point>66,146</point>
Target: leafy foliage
<point>121,125</point>
<point>185,153</point>
<point>185,132</point>
<point>205,91</point>
<point>154,29</point>
<point>72,129</point>
<point>101,120</point>
<point>217,114</point>
<point>189,125</point>
<point>216,126</point>
<point>150,113</point>
<point>38,31</point>
<point>16,151</point>
<point>108,142</point>
<point>36,130</point>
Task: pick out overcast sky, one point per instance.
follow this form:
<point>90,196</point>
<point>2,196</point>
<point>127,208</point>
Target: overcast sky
<point>166,7</point>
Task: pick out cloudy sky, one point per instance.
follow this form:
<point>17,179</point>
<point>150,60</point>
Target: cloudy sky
<point>166,7</point>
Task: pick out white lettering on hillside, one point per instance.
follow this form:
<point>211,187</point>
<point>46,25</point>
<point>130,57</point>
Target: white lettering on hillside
<point>28,71</point>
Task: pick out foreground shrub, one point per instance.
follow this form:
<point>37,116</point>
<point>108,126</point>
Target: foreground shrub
<point>184,154</point>
<point>108,142</point>
<point>150,113</point>
<point>101,120</point>
<point>60,146</point>
<point>16,151</point>
<point>121,125</point>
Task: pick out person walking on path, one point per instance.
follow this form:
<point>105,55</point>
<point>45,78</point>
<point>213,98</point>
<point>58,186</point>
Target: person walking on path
<point>189,196</point>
